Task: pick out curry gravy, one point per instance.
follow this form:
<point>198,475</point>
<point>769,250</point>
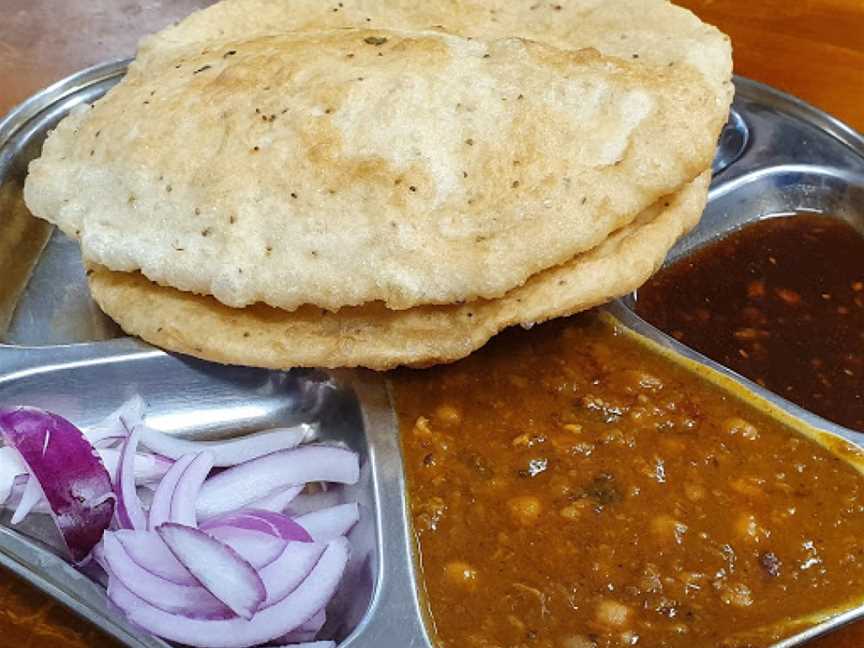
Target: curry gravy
<point>571,488</point>
<point>780,301</point>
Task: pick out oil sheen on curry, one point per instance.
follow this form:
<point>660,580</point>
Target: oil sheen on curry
<point>572,488</point>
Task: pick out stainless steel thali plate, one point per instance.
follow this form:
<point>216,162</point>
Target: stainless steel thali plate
<point>57,351</point>
<point>787,158</point>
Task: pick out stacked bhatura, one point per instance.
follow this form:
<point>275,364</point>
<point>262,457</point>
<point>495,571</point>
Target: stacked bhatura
<point>382,183</point>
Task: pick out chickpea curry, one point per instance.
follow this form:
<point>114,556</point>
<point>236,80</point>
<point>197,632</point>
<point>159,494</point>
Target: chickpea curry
<point>572,488</point>
<point>780,301</point>
<point>32,619</point>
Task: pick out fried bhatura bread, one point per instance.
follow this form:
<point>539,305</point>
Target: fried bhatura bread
<point>353,166</point>
<point>656,32</point>
<point>373,336</point>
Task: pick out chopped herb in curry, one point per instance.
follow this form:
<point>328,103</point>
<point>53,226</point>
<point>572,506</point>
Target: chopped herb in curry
<point>570,488</point>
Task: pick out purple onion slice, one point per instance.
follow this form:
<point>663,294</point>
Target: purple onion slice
<point>149,468</point>
<point>148,551</point>
<point>130,514</point>
<point>188,600</point>
<point>188,486</point>
<point>31,496</point>
<point>257,548</point>
<point>278,501</point>
<point>11,467</point>
<point>280,578</point>
<point>160,507</point>
<point>275,524</point>
<point>291,612</point>
<point>316,622</point>
<point>330,523</point>
<point>118,423</point>
<point>238,487</point>
<point>232,451</point>
<point>75,483</point>
<point>217,567</point>
<point>292,567</point>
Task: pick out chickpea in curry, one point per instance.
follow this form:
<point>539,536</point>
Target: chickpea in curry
<point>572,488</point>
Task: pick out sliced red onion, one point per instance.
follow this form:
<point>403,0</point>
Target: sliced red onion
<point>276,524</point>
<point>217,567</point>
<point>148,467</point>
<point>188,487</point>
<point>259,549</point>
<point>130,515</point>
<point>11,466</point>
<point>278,501</point>
<point>99,556</point>
<point>31,496</point>
<point>118,423</point>
<point>238,520</point>
<point>194,600</point>
<point>160,508</point>
<point>189,598</point>
<point>316,622</point>
<point>258,563</point>
<point>75,483</point>
<point>20,485</point>
<point>306,632</point>
<point>41,507</point>
<point>292,567</point>
<point>241,485</point>
<point>292,611</point>
<point>149,552</point>
<point>330,523</point>
<point>232,451</point>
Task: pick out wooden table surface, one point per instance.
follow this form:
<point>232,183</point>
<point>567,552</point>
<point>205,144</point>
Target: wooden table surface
<point>810,48</point>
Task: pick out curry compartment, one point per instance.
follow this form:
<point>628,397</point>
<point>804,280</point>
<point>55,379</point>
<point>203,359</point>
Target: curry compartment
<point>59,352</point>
<point>797,162</point>
<point>570,486</point>
<point>780,301</point>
